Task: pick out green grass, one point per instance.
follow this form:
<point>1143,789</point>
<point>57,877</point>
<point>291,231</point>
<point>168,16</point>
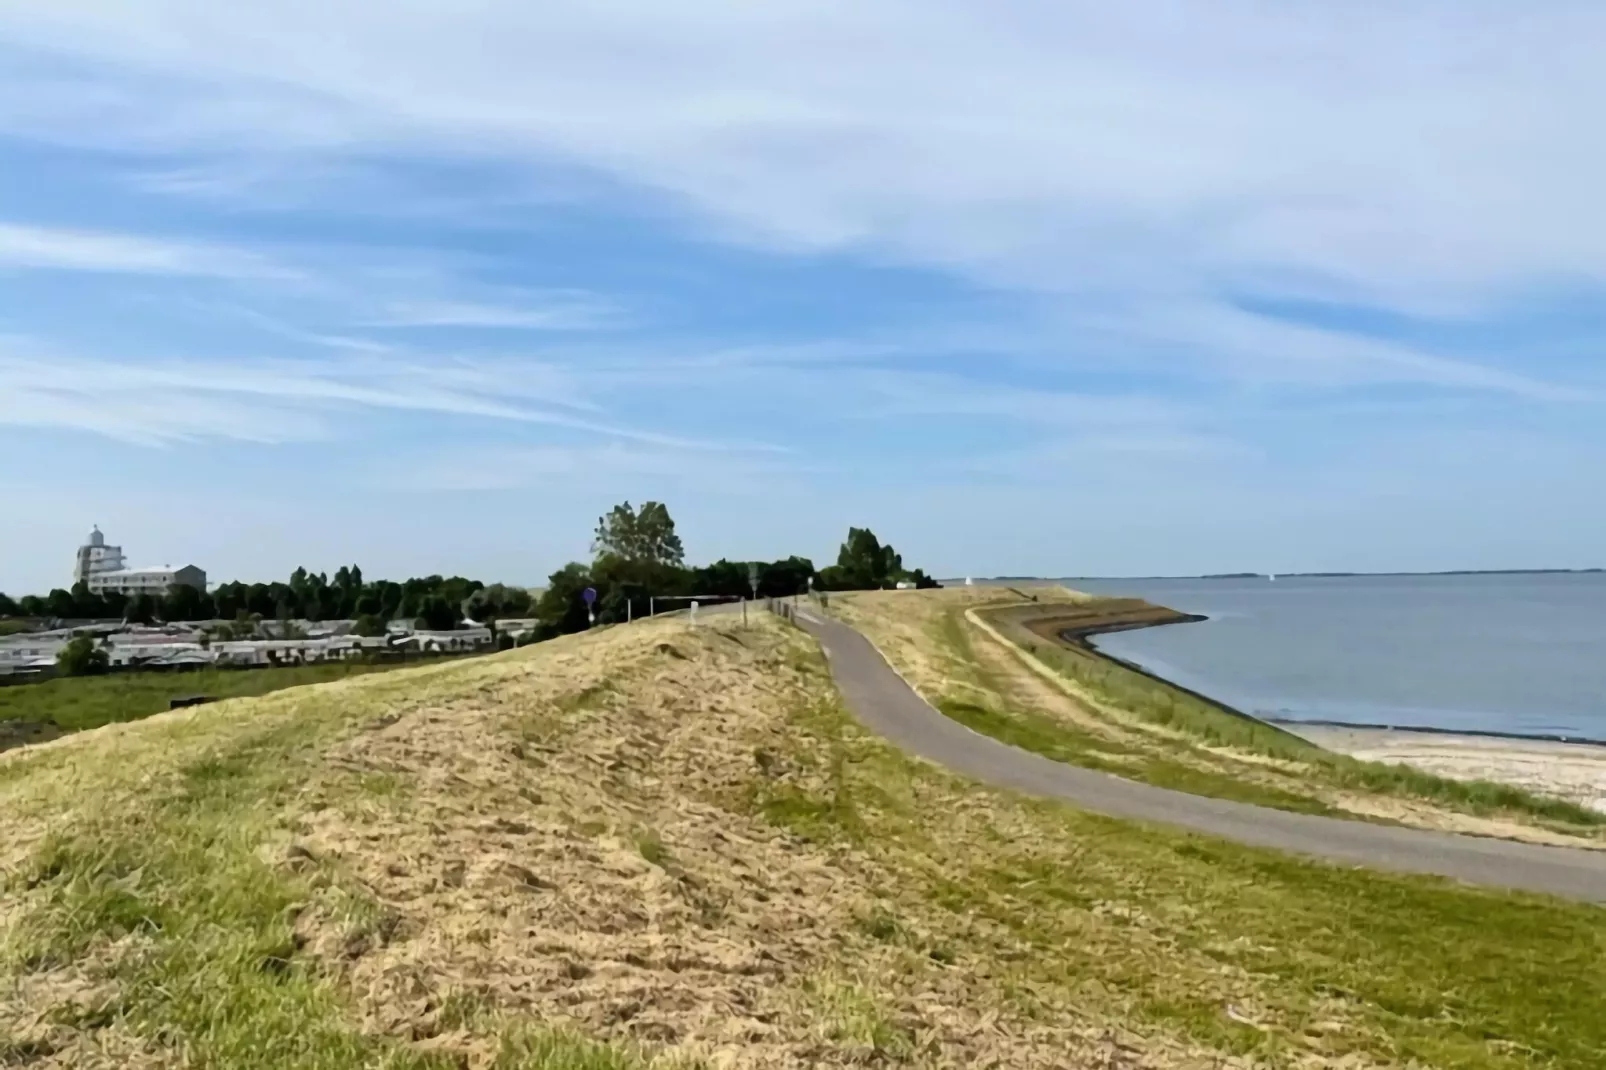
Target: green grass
<point>1064,743</point>
<point>178,898</point>
<point>1183,933</point>
<point>1115,685</point>
<point>76,703</point>
<point>14,627</point>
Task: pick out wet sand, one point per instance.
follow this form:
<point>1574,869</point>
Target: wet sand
<point>1575,771</point>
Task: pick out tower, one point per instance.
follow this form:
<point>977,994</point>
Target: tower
<point>96,557</point>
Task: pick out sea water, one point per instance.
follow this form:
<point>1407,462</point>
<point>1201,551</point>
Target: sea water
<point>1523,654</point>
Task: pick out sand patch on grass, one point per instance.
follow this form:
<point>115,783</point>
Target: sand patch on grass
<point>1575,771</point>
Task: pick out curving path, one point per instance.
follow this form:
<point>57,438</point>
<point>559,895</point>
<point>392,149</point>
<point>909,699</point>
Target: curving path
<point>885,704</point>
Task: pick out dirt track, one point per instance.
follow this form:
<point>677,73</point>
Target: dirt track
<point>884,703</point>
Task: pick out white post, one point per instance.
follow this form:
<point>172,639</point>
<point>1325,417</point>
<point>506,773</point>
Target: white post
<point>629,610</point>
<point>694,612</point>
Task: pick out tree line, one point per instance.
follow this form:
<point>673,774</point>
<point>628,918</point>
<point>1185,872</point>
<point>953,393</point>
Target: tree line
<point>637,559</point>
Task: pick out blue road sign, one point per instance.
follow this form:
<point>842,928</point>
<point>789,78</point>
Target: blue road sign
<point>590,595</point>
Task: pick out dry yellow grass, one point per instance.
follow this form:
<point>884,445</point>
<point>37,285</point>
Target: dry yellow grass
<point>667,846</point>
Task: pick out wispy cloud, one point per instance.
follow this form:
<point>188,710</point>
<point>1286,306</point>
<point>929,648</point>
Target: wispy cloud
<point>63,249</point>
<point>1064,147</point>
<point>284,400</point>
<point>664,468</point>
<point>547,312</point>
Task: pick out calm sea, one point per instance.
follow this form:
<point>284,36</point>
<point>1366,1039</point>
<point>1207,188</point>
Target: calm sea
<point>1523,654</point>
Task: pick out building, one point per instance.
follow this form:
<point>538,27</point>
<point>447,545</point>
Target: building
<point>152,581</point>
<point>104,569</point>
<point>95,557</point>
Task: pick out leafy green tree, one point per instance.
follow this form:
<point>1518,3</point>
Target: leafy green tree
<point>82,657</point>
<point>436,614</point>
<point>642,536</point>
<point>369,625</point>
<point>141,609</point>
<point>8,608</point>
<point>498,600</point>
<point>863,563</point>
<point>30,605</point>
<point>184,602</point>
<point>87,603</point>
<point>561,606</point>
<point>60,603</point>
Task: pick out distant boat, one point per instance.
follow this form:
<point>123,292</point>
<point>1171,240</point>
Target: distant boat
<point>1271,577</point>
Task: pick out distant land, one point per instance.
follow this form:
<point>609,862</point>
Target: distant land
<point>1293,575</point>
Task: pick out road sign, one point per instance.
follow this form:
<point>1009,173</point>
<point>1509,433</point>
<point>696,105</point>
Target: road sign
<point>752,579</point>
<point>590,595</point>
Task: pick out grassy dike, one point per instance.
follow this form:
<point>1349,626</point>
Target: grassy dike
<point>660,846</point>
<point>1068,703</point>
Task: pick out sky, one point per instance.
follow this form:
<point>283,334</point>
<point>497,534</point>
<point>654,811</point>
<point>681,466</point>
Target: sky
<point>1028,288</point>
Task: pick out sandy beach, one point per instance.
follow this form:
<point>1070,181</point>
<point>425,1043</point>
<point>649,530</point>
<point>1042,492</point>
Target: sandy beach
<point>1575,771</point>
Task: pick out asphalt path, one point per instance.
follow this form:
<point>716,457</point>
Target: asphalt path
<point>884,703</point>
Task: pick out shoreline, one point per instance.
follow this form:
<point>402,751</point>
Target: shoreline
<point>1569,767</point>
<point>1081,638</point>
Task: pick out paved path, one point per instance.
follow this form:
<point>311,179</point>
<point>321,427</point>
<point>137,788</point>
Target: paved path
<point>879,698</point>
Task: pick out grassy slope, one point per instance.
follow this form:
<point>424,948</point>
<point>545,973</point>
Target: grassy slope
<point>1102,715</point>
<point>73,704</point>
<point>660,839</point>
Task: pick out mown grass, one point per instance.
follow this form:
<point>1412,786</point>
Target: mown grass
<point>1286,961</point>
<point>184,898</point>
<point>1115,685</point>
<point>76,703</point>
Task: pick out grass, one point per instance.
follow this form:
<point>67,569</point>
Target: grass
<point>1065,743</point>
<point>1193,935</point>
<point>227,892</point>
<point>180,899</point>
<point>76,703</point>
<point>1159,703</point>
<point>14,627</point>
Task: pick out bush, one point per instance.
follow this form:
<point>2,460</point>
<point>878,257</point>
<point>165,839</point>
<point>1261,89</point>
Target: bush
<point>82,657</point>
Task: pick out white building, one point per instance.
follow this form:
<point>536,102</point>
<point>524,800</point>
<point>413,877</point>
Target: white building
<point>95,557</point>
<point>105,569</point>
<point>152,581</point>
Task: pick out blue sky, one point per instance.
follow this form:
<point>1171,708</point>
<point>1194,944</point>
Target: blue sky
<point>1038,288</point>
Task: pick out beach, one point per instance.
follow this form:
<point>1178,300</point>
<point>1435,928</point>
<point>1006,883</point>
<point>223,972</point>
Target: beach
<point>1574,771</point>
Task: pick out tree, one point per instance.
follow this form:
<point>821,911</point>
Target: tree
<point>141,609</point>
<point>8,608</point>
<point>646,536</point>
<point>497,600</point>
<point>863,563</point>
<point>369,625</point>
<point>81,657</point>
<point>561,606</point>
<point>60,603</point>
<point>30,605</point>
<point>184,602</point>
<point>436,614</point>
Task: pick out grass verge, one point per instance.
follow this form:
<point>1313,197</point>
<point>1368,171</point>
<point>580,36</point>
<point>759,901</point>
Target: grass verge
<point>1237,950</point>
